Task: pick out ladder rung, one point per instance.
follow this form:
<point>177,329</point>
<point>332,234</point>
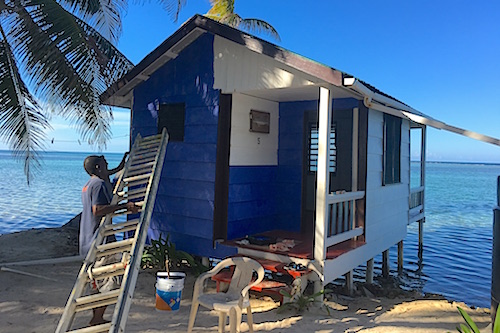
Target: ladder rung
<point>115,245</point>
<point>132,192</point>
<point>126,212</point>
<point>151,144</point>
<point>93,329</point>
<point>135,196</point>
<point>138,157</point>
<point>110,274</point>
<point>146,150</point>
<point>151,138</point>
<point>139,177</point>
<point>97,300</point>
<point>112,229</point>
<point>139,171</point>
<point>141,166</point>
<point>99,271</point>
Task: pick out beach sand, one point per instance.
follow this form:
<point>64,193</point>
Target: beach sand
<point>35,304</point>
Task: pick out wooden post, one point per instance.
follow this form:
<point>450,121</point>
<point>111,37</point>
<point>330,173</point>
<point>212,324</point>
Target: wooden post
<point>422,183</point>
<point>421,239</point>
<point>400,257</point>
<point>349,282</point>
<point>385,263</point>
<point>369,271</point>
<point>322,175</point>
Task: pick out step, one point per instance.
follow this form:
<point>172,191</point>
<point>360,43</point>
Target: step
<point>141,190</point>
<point>126,243</point>
<point>93,329</point>
<point>138,157</point>
<point>99,272</point>
<point>116,228</point>
<point>136,178</point>
<point>95,301</point>
<point>142,165</point>
<point>147,145</point>
<point>139,171</point>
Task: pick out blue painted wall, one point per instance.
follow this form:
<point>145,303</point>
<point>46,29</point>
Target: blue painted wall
<point>252,204</point>
<point>185,202</point>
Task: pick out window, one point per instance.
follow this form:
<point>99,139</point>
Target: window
<point>172,116</point>
<point>313,149</point>
<point>392,150</point>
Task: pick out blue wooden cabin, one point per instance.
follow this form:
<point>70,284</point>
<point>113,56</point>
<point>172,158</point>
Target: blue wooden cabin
<point>264,140</point>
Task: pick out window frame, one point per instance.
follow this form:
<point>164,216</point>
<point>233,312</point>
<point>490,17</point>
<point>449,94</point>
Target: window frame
<point>391,159</point>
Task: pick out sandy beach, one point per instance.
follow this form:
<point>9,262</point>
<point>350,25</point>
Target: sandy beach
<point>35,304</point>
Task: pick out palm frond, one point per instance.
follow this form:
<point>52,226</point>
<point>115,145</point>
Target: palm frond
<point>103,15</point>
<point>223,12</point>
<point>22,122</point>
<point>259,26</point>
<point>173,7</point>
<point>69,64</point>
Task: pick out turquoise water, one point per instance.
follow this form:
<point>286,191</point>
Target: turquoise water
<point>51,199</point>
<point>457,234</point>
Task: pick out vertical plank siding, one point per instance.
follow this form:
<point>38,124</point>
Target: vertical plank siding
<point>185,204</point>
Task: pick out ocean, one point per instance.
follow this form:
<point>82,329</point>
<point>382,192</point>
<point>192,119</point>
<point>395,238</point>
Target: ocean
<point>460,198</point>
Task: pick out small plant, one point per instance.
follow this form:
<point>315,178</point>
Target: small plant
<point>471,327</point>
<point>163,250</point>
<point>298,301</point>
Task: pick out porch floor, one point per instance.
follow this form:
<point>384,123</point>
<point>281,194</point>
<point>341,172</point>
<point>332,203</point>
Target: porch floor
<point>304,247</point>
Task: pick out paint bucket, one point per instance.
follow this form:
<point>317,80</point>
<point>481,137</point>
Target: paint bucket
<point>169,290</point>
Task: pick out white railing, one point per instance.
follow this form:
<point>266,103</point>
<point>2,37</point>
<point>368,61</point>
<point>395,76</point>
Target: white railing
<point>342,222</point>
<point>416,204</point>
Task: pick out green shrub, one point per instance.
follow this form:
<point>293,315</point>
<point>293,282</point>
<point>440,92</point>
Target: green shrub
<point>156,255</point>
<point>471,327</point>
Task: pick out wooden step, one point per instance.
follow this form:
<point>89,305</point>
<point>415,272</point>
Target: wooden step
<point>93,329</point>
<point>99,272</point>
<point>124,244</point>
<point>141,165</point>
<point>97,300</point>
<point>140,157</point>
<point>141,190</point>
<point>136,178</point>
<point>112,229</point>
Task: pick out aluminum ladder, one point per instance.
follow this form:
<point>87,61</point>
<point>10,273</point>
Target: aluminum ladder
<point>138,183</point>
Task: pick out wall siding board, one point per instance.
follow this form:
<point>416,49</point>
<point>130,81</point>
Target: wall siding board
<point>191,152</point>
<point>184,188</point>
<point>182,224</point>
<point>386,206</point>
<point>188,207</point>
<point>184,205</point>
<point>189,170</point>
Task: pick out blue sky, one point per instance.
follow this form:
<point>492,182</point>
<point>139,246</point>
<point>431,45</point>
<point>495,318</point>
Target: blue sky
<point>440,57</point>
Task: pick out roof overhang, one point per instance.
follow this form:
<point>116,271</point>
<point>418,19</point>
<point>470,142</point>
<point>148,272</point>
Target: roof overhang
<point>120,93</point>
<point>383,103</point>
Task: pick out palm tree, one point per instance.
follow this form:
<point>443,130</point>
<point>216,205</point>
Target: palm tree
<point>223,11</point>
<point>55,59</point>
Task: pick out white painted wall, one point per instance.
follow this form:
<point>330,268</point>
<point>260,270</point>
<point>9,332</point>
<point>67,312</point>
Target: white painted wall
<point>249,148</point>
<point>386,206</point>
<point>236,68</point>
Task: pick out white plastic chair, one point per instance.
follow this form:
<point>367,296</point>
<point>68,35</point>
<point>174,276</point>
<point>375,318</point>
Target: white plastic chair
<point>232,302</point>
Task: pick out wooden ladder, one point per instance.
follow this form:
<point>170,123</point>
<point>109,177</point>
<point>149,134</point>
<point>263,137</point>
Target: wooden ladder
<point>138,183</point>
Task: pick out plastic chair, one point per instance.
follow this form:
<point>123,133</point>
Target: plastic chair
<point>234,300</point>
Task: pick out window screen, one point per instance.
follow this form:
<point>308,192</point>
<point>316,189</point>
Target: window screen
<point>392,149</point>
<point>313,149</point>
<point>172,116</point>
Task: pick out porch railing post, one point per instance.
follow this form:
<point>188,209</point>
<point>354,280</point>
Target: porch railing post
<point>322,174</point>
